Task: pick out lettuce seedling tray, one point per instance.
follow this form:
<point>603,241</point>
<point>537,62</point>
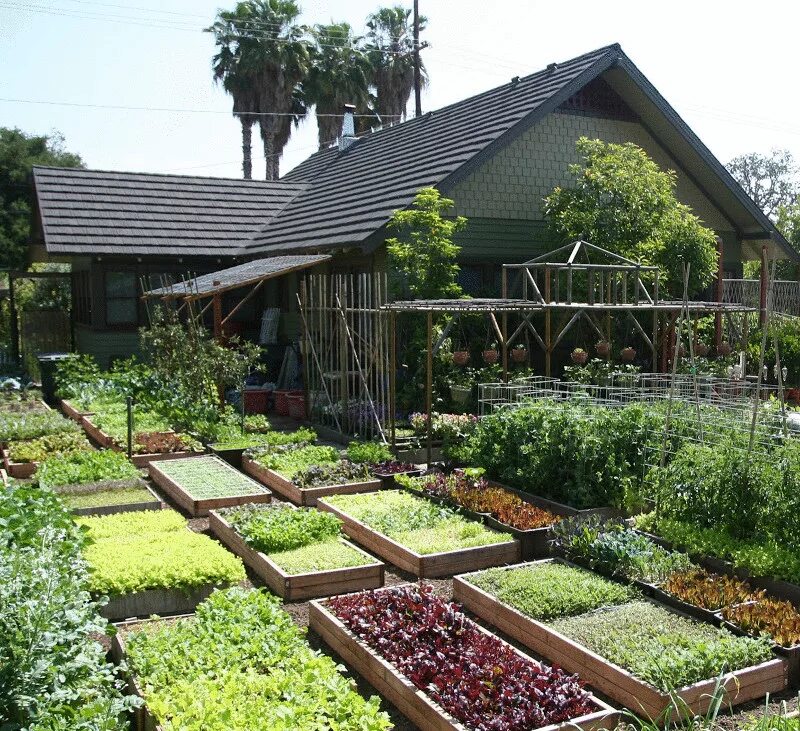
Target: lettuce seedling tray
<point>295,587</point>
<point>612,680</point>
<point>307,496</point>
<point>413,703</point>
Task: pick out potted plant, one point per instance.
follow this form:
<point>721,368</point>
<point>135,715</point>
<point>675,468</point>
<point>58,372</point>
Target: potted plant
<point>579,356</point>
<point>461,357</point>
<point>519,353</point>
<point>603,348</point>
<point>627,354</point>
<point>461,383</point>
<point>491,354</point>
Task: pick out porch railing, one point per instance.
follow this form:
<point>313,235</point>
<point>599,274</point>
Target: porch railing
<point>786,297</point>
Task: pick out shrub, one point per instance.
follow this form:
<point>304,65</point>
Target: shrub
<point>545,591</point>
<point>662,648</point>
<point>78,468</point>
<point>241,662</point>
<point>53,673</point>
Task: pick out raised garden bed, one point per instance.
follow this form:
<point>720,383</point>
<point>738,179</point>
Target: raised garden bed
<point>109,498</point>
<point>232,448</point>
<point>200,484</point>
<point>87,469</point>
<point>18,470</point>
<point>95,433</point>
<point>296,473</point>
<point>420,537</point>
<point>365,573</point>
<point>435,695</point>
<point>553,640</point>
<point>22,458</point>
<point>259,671</point>
<point>151,563</point>
<point>73,411</point>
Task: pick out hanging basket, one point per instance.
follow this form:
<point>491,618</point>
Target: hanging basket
<point>519,355</point>
<point>461,357</point>
<point>701,349</point>
<point>627,354</point>
<point>490,357</point>
<point>724,349</point>
<point>603,348</point>
<point>579,356</point>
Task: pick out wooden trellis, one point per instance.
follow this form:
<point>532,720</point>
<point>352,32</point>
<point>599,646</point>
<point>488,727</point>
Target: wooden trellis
<point>347,352</point>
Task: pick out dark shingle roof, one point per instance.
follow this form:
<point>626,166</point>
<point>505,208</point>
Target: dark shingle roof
<point>98,212</point>
<point>239,276</point>
<point>354,192</point>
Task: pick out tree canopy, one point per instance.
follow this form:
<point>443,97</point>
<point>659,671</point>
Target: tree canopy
<point>770,180</point>
<point>623,202</point>
<point>19,152</point>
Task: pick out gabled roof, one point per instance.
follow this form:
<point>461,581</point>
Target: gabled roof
<point>354,192</point>
<point>99,212</point>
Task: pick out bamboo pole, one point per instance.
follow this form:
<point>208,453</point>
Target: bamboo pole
<point>429,392</point>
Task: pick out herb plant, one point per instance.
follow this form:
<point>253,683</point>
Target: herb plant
<point>775,618</point>
<point>660,647</point>
<point>476,678</point>
<point>291,461</point>
<point>33,424</point>
<point>132,552</point>
<point>53,673</point>
<point>78,468</point>
<point>545,591</point>
<point>236,440</point>
<point>368,453</point>
<point>416,523</point>
<point>36,450</point>
<point>209,477</point>
<point>241,663</point>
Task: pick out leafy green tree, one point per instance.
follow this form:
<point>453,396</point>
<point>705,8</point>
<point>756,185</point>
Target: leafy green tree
<point>426,256</point>
<point>339,75</point>
<point>390,47</point>
<point>263,56</point>
<point>770,180</point>
<point>623,202</point>
<point>19,152</point>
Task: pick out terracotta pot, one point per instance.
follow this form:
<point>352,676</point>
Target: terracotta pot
<point>461,357</point>
<point>627,354</point>
<point>603,348</point>
<point>490,357</point>
<point>724,349</point>
<point>519,355</point>
<point>578,356</point>
<point>701,349</point>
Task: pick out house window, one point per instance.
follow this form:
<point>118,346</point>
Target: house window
<point>121,300</point>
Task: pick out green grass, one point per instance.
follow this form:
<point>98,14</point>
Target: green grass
<point>209,477</point>
<point>154,549</point>
<point>660,647</point>
<point>101,498</point>
<point>416,523</point>
<point>549,590</point>
<point>323,556</point>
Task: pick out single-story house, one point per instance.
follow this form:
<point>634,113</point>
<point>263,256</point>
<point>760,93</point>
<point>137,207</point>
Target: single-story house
<point>497,154</point>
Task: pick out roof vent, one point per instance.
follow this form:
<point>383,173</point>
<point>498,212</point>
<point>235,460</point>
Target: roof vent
<point>514,80</point>
<point>348,127</point>
<point>552,66</point>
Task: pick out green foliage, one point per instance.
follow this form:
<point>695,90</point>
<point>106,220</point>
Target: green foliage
<point>209,477</point>
<point>787,330</point>
<point>78,468</point>
<point>132,552</point>
<point>342,472</point>
<point>239,663</point>
<point>237,440</point>
<point>426,256</point>
<point>368,452</point>
<point>288,463</point>
<point>101,498</point>
<point>418,524</point>
<point>53,674</point>
<point>662,648</point>
<point>279,527</point>
<point>50,445</point>
<point>623,202</point>
<point>770,180</point>
<point>19,152</point>
<point>34,424</point>
<point>324,556</point>
<point>545,591</point>
<point>760,558</point>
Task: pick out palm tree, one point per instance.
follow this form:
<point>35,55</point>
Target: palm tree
<point>339,75</point>
<point>265,52</point>
<point>390,48</point>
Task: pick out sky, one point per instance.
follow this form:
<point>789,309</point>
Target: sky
<point>727,68</point>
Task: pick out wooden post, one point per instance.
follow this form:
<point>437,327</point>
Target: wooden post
<point>217,304</point>
<point>655,341</point>
<point>429,392</point>
<point>392,375</point>
<point>718,298</point>
<point>504,293</point>
<point>547,324</point>
<point>762,317</point>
